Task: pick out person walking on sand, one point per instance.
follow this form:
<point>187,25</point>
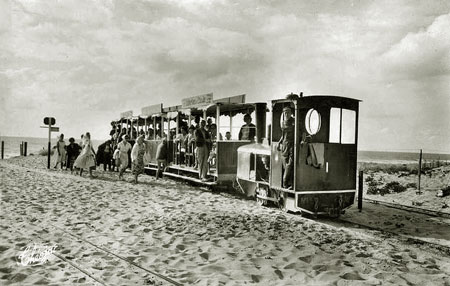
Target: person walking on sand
<point>73,150</point>
<point>86,160</point>
<point>137,158</point>
<point>61,151</point>
<point>161,157</point>
<point>124,147</point>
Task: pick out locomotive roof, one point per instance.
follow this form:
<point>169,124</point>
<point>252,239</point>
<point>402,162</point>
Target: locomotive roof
<point>329,100</point>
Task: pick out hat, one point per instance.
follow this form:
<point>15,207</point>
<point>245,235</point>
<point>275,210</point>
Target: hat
<point>126,136</point>
<point>287,108</point>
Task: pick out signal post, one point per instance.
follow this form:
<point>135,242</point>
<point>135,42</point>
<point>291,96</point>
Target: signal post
<point>49,121</point>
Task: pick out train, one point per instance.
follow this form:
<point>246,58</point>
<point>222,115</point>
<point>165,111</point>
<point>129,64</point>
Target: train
<point>318,174</point>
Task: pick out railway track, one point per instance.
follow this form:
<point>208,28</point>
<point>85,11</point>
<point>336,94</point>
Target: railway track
<point>409,208</point>
<point>149,276</point>
<point>407,238</point>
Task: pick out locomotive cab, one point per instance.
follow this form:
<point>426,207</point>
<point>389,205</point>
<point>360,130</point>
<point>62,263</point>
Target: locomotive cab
<point>314,153</point>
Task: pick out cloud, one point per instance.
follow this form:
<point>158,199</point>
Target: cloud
<point>422,54</point>
<point>87,61</point>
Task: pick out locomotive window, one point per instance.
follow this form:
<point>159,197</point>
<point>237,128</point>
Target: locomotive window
<point>312,121</point>
<point>348,126</point>
<point>342,126</point>
<point>335,125</point>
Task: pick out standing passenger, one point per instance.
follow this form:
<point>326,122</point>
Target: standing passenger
<point>202,142</point>
<point>248,130</point>
<point>286,146</point>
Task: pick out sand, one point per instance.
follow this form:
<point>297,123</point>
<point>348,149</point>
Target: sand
<point>194,236</point>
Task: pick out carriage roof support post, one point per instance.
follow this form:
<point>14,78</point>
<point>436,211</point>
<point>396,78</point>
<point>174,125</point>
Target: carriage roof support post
<point>161,127</point>
<point>231,123</point>
<point>168,128</point>
<point>138,126</point>
<point>154,127</point>
<point>178,124</point>
<point>128,127</point>
<point>145,124</point>
<point>204,114</point>
<point>218,122</point>
<point>189,120</point>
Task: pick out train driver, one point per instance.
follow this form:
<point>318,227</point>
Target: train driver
<point>286,146</point>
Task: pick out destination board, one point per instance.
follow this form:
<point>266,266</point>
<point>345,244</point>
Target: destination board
<point>126,114</point>
<point>196,101</point>
<point>151,109</point>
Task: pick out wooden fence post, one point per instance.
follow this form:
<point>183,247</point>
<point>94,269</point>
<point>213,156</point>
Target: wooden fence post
<point>420,169</point>
<point>360,189</point>
<point>3,149</point>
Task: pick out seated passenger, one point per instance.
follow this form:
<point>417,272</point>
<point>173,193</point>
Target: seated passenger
<point>213,133</point>
<point>248,130</point>
<point>228,136</point>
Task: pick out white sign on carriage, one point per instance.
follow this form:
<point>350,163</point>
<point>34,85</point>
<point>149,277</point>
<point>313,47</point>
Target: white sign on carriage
<point>196,101</point>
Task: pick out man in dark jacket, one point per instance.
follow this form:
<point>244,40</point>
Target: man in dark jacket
<point>203,144</point>
<point>73,150</point>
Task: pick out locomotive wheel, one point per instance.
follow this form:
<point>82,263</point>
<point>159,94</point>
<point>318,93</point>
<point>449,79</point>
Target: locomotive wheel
<point>261,192</point>
<point>261,202</point>
<point>282,203</point>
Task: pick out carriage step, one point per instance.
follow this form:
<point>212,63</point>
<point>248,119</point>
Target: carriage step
<point>207,183</point>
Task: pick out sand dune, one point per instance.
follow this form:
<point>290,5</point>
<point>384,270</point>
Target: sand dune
<point>187,234</point>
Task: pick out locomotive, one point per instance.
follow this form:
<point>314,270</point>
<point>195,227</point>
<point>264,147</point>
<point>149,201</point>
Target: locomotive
<point>318,178</point>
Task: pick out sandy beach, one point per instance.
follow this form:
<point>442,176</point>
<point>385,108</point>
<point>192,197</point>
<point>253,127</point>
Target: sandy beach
<point>197,237</point>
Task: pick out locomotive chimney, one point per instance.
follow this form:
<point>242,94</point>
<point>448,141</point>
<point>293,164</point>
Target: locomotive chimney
<point>260,112</point>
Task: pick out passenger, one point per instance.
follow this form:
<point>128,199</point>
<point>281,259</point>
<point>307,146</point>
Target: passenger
<point>228,136</point>
<point>61,151</point>
<point>150,134</point>
<point>124,147</point>
<point>248,130</point>
<point>213,133</point>
<point>202,142</point>
<point>286,146</point>
<point>264,171</point>
<point>189,142</point>
<point>161,157</point>
<point>212,154</point>
<point>208,124</point>
<point>181,144</point>
<point>86,160</point>
<point>137,158</point>
<point>73,150</point>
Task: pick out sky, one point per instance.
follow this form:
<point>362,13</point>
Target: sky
<point>85,62</point>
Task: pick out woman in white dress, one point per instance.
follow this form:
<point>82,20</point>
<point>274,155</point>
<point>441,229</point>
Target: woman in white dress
<point>124,147</point>
<point>60,151</point>
<point>86,160</point>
